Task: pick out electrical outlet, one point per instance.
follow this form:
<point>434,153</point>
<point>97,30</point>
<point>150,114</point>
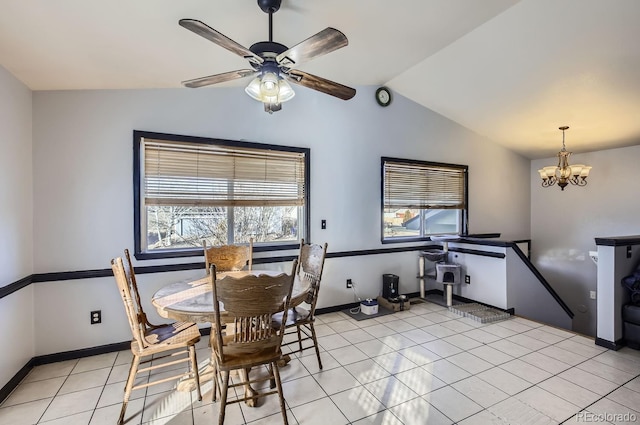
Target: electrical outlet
<point>96,317</point>
<point>323,224</point>
<point>592,295</point>
<point>349,284</point>
<point>467,278</point>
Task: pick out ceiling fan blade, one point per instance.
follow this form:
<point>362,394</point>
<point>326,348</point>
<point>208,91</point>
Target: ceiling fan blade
<point>220,39</point>
<point>321,84</point>
<point>218,78</point>
<point>326,41</point>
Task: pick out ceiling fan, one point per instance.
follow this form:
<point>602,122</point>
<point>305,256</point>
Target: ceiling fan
<point>274,64</point>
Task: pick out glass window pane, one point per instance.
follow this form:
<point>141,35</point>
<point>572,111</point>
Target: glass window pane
<point>401,223</point>
<point>175,227</point>
<point>266,224</point>
<point>441,222</point>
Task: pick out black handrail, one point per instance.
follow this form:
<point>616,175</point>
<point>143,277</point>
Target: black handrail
<point>541,278</point>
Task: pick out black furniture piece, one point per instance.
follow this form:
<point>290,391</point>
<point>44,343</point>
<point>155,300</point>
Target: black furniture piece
<point>631,311</point>
<point>390,287</point>
<point>631,325</point>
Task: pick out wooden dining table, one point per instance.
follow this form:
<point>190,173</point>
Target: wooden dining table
<point>191,300</point>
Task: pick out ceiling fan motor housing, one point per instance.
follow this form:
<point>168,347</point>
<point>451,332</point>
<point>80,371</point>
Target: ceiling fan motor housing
<point>267,50</point>
<point>269,6</point>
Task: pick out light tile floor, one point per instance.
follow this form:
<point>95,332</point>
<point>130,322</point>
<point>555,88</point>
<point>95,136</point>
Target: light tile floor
<point>421,366</point>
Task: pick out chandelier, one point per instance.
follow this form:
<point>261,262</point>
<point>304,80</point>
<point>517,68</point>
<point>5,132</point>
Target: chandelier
<point>563,173</point>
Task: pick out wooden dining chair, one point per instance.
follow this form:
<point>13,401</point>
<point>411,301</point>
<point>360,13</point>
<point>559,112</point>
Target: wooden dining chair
<point>249,340</point>
<point>131,277</point>
<point>228,257</point>
<point>151,343</point>
<point>300,320</point>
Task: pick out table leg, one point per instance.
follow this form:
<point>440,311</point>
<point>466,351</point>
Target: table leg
<point>188,384</point>
<point>248,391</point>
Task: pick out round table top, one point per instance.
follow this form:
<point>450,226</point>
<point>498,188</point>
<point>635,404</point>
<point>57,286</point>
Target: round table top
<point>192,300</point>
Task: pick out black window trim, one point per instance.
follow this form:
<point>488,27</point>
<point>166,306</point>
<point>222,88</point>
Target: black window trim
<point>465,211</point>
<point>138,135</point>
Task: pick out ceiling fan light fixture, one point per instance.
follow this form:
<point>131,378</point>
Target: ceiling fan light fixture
<point>269,84</point>
<point>270,89</point>
<point>253,89</point>
<point>285,91</point>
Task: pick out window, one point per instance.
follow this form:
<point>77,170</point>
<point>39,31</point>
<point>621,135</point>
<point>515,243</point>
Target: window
<point>420,199</point>
<point>187,189</point>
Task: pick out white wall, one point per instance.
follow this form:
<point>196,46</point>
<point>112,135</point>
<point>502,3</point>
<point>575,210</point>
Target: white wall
<point>564,224</point>
<point>83,186</point>
<point>16,242</point>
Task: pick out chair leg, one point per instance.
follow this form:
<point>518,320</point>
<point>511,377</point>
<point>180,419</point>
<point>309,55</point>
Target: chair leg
<point>133,370</point>
<point>216,376</point>
<point>299,338</point>
<point>315,343</point>
<point>223,396</point>
<point>272,381</point>
<point>194,369</point>
<point>283,409</point>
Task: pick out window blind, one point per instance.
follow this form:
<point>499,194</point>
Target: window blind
<point>194,174</point>
<point>423,185</point>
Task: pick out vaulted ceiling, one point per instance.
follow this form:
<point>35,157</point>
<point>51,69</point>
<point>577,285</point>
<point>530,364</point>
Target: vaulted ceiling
<point>513,71</point>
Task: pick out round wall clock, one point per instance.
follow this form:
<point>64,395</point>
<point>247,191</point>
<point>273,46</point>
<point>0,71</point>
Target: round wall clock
<point>383,96</point>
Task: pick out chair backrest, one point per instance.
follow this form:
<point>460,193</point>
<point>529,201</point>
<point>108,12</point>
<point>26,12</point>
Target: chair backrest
<point>133,283</point>
<point>310,266</point>
<point>138,326</point>
<point>228,257</point>
<point>311,259</point>
<point>249,303</point>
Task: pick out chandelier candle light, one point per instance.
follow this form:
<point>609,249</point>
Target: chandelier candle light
<point>564,173</point>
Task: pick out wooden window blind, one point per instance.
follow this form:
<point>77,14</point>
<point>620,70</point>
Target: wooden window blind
<point>196,174</point>
<point>423,185</point>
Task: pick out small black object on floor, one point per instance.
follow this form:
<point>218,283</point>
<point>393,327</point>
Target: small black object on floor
<point>356,314</point>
